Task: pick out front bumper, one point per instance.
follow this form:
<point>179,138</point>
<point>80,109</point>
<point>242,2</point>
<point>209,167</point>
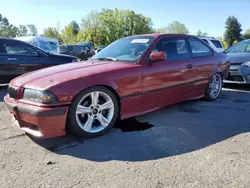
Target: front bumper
<point>238,74</point>
<point>40,122</point>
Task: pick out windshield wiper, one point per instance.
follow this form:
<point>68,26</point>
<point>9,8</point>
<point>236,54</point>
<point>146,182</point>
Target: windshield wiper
<point>106,59</point>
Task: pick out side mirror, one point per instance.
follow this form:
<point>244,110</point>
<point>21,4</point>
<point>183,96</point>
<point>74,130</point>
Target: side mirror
<point>158,56</point>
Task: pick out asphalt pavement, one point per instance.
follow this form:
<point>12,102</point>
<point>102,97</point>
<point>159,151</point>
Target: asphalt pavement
<point>191,144</point>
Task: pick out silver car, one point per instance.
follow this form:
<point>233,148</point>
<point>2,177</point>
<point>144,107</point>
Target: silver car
<point>239,55</point>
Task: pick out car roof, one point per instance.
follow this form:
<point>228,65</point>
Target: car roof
<point>157,35</point>
<point>208,38</point>
<point>67,45</point>
<point>247,40</point>
<point>6,38</point>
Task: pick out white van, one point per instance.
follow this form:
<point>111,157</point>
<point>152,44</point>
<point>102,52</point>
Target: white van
<point>214,43</point>
<point>46,44</point>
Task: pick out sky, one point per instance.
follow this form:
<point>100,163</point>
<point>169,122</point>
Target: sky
<point>207,15</point>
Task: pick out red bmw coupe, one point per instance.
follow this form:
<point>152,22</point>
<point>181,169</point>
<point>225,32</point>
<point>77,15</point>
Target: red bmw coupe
<point>130,77</point>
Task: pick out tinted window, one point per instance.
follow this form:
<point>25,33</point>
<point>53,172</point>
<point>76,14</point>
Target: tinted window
<point>199,49</point>
<point>18,48</point>
<point>205,41</point>
<point>176,49</point>
<point>216,43</point>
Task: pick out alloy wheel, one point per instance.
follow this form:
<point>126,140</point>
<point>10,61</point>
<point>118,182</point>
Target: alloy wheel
<point>215,86</point>
<point>94,111</point>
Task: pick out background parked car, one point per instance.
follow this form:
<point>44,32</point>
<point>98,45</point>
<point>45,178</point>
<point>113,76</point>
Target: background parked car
<point>74,50</point>
<point>89,46</point>
<point>99,48</point>
<point>46,44</point>
<point>214,43</point>
<point>239,55</point>
<point>17,57</point>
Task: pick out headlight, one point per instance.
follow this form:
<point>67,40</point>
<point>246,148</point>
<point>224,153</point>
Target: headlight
<point>45,97</point>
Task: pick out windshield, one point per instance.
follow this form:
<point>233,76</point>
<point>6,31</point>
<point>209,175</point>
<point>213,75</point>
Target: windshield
<point>126,49</point>
<point>47,46</point>
<point>53,46</point>
<point>242,46</point>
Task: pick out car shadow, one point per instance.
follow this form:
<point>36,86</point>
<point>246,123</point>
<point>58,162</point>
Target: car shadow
<point>170,131</point>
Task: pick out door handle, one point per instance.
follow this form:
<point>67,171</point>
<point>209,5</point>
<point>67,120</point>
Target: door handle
<point>189,66</point>
<point>11,59</point>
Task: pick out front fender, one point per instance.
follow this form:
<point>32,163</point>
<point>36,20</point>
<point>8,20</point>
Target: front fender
<point>67,91</point>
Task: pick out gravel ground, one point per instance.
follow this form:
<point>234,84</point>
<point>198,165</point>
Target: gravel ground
<point>192,144</point>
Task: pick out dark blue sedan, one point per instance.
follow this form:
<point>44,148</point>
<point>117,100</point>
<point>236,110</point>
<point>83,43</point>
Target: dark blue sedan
<point>17,58</point>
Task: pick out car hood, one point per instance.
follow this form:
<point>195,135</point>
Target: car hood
<point>45,78</point>
<point>239,58</point>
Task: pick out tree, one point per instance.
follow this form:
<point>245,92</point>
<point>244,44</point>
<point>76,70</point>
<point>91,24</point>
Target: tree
<point>161,30</point>
<point>7,29</point>
<point>201,34</point>
<point>32,30</point>
<point>247,34</point>
<point>75,27</point>
<point>109,25</point>
<point>176,28</point>
<point>22,30</point>
<point>52,32</point>
<point>68,35</point>
<point>92,29</point>
<point>233,30</point>
<point>224,43</point>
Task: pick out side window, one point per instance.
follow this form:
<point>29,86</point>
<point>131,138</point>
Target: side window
<point>175,48</point>
<point>199,49</point>
<point>17,48</point>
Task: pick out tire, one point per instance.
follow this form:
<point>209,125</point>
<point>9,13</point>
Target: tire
<point>96,105</point>
<point>215,82</point>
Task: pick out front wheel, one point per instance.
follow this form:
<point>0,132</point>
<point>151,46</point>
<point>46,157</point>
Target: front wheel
<point>93,112</point>
<point>214,87</point>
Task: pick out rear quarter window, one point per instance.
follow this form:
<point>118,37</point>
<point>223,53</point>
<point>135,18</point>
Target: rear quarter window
<point>216,43</point>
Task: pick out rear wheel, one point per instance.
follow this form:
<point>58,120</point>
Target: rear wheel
<point>214,87</point>
<point>93,112</point>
